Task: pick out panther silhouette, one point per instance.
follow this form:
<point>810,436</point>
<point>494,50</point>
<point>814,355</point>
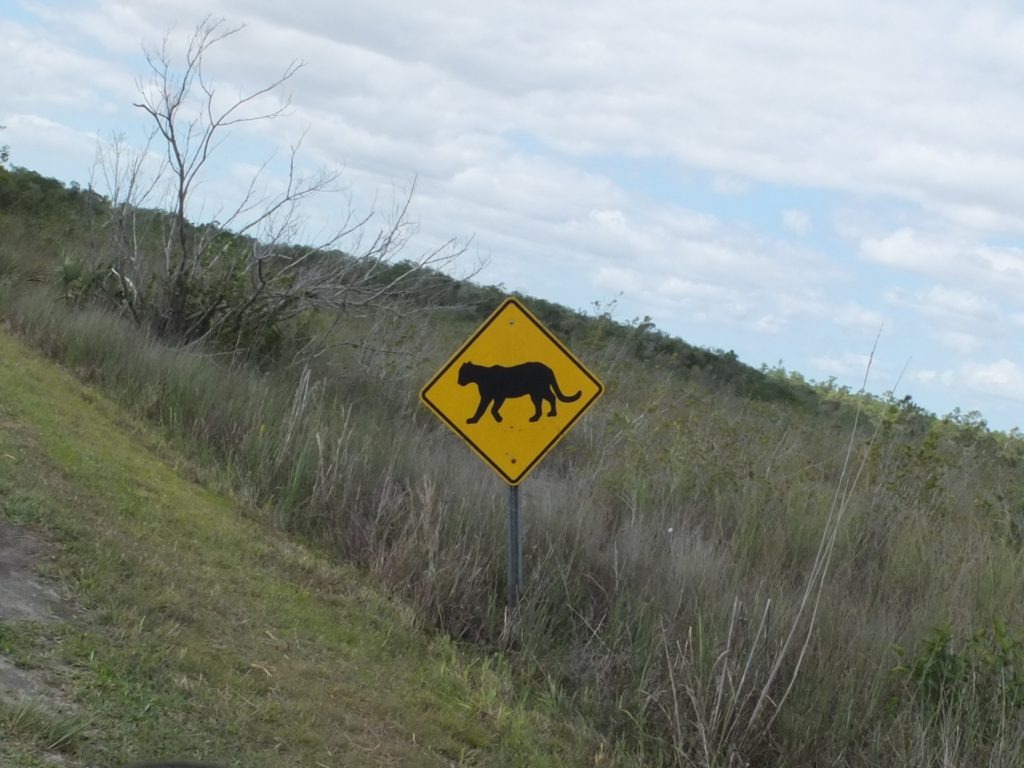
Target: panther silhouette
<point>498,383</point>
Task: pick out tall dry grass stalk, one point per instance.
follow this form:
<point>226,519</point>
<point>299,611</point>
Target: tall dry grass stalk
<point>732,704</point>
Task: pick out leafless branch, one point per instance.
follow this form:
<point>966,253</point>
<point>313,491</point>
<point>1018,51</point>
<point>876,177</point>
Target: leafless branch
<point>242,274</point>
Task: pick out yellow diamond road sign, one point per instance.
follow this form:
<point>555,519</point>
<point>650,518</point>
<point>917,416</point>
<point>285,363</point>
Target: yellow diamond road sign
<point>512,391</point>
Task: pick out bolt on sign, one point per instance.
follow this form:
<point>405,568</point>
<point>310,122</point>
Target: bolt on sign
<point>512,391</point>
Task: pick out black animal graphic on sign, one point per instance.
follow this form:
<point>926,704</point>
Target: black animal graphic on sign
<point>497,383</point>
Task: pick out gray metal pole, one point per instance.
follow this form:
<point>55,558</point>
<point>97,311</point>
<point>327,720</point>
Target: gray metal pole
<point>515,547</point>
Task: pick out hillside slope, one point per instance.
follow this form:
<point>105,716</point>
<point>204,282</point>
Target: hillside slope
<point>724,566</point>
<point>191,631</point>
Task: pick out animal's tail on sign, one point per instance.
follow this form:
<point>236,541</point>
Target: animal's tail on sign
<point>498,383</point>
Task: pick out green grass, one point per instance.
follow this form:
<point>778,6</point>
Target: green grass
<point>205,635</point>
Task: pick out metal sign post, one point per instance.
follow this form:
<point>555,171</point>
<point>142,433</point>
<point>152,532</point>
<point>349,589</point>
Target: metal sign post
<point>515,547</point>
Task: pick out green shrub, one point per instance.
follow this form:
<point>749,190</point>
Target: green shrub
<point>986,666</point>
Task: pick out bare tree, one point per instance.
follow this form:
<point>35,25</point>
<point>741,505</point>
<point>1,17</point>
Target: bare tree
<point>242,276</point>
<point>123,174</point>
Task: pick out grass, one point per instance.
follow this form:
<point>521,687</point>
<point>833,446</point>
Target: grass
<point>646,518</point>
<point>206,635</point>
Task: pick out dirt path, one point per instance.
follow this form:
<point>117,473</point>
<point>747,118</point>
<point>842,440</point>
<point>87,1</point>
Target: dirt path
<point>26,596</point>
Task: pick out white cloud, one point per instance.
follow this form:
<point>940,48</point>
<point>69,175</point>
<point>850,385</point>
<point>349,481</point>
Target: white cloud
<point>37,71</point>
<point>1003,378</point>
<point>980,218</point>
<point>119,27</point>
<point>974,265</point>
<point>959,319</point>
<point>870,97</point>
<point>768,324</point>
<point>907,249</point>
<point>42,143</point>
<point>960,342</point>
<point>951,304</point>
<point>854,316</point>
<point>611,220</point>
<point>957,301</point>
<point>947,308</point>
<point>724,184</point>
<point>845,365</point>
<point>619,279</point>
<point>796,221</point>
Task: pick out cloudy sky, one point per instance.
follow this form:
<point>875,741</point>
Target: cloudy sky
<point>780,179</point>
